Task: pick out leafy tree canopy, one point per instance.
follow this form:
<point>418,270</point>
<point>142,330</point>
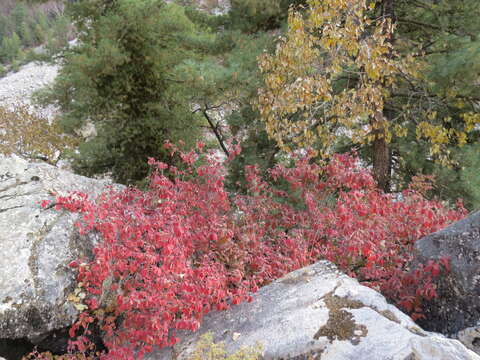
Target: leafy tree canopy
<point>378,73</point>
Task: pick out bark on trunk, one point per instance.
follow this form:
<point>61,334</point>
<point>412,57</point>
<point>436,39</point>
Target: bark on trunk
<point>388,9</point>
<point>382,166</point>
<point>381,162</point>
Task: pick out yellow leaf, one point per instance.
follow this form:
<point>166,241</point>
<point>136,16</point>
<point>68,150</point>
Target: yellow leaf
<point>73,298</point>
<point>81,307</point>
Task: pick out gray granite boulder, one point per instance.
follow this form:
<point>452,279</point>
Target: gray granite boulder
<point>319,313</point>
<point>470,337</point>
<point>457,307</point>
<point>36,246</point>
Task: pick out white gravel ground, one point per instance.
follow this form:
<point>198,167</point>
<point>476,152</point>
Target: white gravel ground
<point>17,87</point>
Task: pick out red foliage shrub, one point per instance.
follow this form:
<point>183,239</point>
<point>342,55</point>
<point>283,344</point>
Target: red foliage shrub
<point>172,253</point>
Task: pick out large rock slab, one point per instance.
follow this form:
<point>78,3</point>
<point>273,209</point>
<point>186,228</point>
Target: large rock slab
<point>36,246</point>
<point>458,304</point>
<point>319,313</point>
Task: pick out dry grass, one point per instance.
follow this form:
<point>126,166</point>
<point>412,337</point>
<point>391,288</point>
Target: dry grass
<point>30,136</point>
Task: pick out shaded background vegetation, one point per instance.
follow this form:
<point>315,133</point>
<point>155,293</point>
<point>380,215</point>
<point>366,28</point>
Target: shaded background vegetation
<point>26,25</point>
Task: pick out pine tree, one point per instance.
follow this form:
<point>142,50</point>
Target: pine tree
<point>3,27</point>
<point>19,17</point>
<point>121,78</point>
<point>39,34</point>
<point>223,86</point>
<point>253,16</point>
<point>10,48</point>
<point>26,34</point>
<point>57,38</point>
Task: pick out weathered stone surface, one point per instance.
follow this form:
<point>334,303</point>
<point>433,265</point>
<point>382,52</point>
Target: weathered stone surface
<point>319,313</point>
<point>35,246</point>
<point>470,337</point>
<point>439,348</point>
<point>458,304</point>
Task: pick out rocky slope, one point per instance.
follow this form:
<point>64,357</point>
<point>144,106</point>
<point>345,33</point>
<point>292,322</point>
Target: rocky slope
<point>17,87</point>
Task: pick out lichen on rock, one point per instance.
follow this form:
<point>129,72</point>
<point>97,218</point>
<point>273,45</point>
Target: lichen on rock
<point>341,324</point>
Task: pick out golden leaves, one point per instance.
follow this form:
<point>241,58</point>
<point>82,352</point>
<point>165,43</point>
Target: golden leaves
<point>332,74</point>
<point>76,298</point>
<point>471,119</point>
<point>437,134</point>
<point>299,95</point>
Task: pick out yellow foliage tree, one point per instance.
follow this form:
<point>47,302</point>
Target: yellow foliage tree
<point>334,72</point>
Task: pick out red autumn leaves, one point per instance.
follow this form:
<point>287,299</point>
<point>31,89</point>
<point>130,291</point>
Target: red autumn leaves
<point>185,246</point>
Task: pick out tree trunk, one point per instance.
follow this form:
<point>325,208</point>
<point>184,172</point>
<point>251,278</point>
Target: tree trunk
<point>381,162</point>
<point>388,9</point>
<point>382,166</point>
